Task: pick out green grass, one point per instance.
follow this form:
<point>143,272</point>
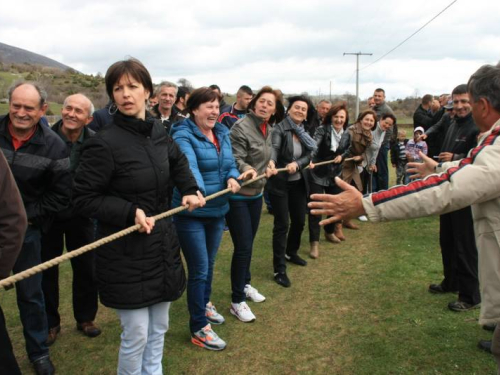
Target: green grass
<point>54,107</point>
<point>361,308</point>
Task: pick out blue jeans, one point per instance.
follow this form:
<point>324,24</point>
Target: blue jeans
<point>243,220</point>
<point>30,299</point>
<point>200,238</point>
<point>143,335</point>
<point>382,176</point>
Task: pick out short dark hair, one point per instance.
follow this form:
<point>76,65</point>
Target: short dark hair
<point>336,108</point>
<point>280,108</point>
<point>485,83</point>
<point>427,99</point>
<point>39,89</point>
<point>182,91</point>
<point>245,89</point>
<point>388,115</point>
<point>302,98</point>
<point>200,96</point>
<point>459,90</point>
<point>380,90</point>
<point>131,67</point>
<point>363,114</point>
<point>215,87</point>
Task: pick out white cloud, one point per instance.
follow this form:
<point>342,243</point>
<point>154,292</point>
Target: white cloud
<point>294,45</point>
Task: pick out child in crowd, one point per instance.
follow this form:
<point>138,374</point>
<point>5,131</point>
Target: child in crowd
<point>398,158</point>
<point>414,146</point>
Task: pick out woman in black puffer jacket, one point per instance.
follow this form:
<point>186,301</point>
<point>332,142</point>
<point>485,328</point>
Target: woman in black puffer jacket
<point>122,180</point>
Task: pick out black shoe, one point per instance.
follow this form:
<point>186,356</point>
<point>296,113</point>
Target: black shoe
<point>282,279</point>
<point>484,345</point>
<point>295,259</point>
<point>460,306</point>
<point>44,366</point>
<point>490,327</point>
<point>438,289</point>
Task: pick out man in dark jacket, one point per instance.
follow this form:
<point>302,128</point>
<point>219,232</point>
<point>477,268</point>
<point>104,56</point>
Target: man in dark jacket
<point>39,162</point>
<point>238,109</point>
<point>456,235</point>
<point>165,110</point>
<point>13,225</point>
<point>101,118</point>
<point>72,229</point>
<point>422,116</point>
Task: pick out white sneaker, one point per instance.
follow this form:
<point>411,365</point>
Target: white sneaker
<point>253,294</point>
<point>363,218</point>
<point>242,312</point>
<point>212,315</point>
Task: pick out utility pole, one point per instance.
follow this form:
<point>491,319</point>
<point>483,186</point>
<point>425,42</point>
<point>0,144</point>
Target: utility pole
<point>330,90</point>
<point>357,76</point>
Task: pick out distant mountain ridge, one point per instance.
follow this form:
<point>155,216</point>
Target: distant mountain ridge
<point>14,55</point>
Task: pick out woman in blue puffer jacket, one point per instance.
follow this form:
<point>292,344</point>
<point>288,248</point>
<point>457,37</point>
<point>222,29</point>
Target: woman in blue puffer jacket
<point>207,147</point>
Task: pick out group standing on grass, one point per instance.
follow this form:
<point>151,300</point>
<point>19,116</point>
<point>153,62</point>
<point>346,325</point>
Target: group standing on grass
<point>143,161</point>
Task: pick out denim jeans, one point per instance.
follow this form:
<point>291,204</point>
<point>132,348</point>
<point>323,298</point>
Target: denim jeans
<point>30,297</point>
<point>143,334</point>
<point>382,180</point>
<point>200,238</point>
<point>243,220</point>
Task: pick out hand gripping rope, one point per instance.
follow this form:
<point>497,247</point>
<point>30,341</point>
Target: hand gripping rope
<point>9,282</point>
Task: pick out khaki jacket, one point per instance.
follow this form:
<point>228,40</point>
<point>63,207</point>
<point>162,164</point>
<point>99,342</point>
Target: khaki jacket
<point>474,181</point>
<point>251,150</point>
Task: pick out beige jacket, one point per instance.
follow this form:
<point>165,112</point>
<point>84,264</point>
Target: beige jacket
<point>251,149</point>
<point>474,181</point>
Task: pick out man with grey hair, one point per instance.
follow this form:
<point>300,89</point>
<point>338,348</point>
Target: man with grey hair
<point>448,186</point>
<point>71,229</point>
<point>166,92</point>
<point>39,162</point>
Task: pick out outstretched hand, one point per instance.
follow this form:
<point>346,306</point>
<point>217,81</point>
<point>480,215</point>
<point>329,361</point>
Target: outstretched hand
<point>424,169</point>
<point>345,205</point>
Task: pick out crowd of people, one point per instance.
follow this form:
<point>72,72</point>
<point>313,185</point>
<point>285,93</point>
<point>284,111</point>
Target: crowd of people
<point>154,148</point>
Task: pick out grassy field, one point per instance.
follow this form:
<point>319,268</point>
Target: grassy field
<point>361,308</point>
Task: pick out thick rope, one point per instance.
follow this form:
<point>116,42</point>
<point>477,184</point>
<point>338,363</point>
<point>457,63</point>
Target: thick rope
<point>9,282</point>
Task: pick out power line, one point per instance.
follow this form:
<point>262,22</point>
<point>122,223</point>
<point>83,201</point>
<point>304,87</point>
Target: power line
<point>404,41</point>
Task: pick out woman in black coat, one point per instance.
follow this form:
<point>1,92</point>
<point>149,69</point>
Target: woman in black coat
<point>122,180</point>
<point>291,148</point>
<point>332,143</point>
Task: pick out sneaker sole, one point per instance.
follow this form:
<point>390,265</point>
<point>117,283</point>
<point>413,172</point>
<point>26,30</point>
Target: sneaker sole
<point>239,318</point>
<point>216,322</point>
<point>254,300</point>
<point>205,346</point>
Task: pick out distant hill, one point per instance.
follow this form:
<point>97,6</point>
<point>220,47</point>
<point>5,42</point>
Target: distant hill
<point>14,55</point>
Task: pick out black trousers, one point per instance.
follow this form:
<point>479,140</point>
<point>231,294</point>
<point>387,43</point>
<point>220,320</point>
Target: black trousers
<point>289,220</point>
<point>313,220</point>
<point>8,363</point>
<point>459,253</point>
<point>76,232</point>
